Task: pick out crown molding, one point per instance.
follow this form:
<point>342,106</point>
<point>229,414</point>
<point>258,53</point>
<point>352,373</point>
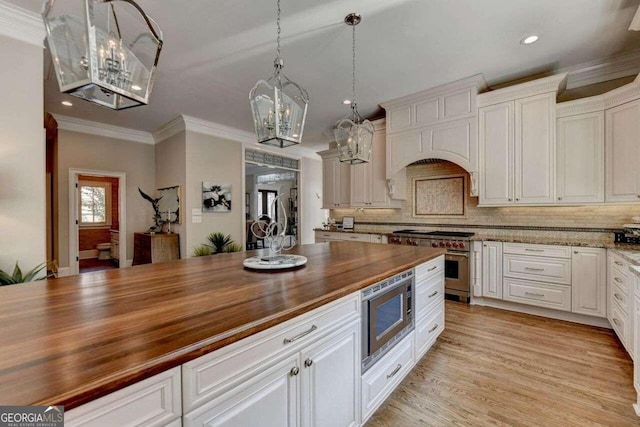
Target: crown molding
<point>603,70</point>
<point>555,83</point>
<point>21,24</point>
<point>205,127</point>
<point>627,93</point>
<point>167,130</point>
<point>100,129</point>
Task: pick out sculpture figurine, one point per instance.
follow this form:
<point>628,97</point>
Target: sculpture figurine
<point>157,217</point>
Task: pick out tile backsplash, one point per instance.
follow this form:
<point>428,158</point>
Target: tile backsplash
<point>588,216</point>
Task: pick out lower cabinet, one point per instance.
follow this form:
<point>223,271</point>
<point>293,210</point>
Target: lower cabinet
<point>329,236</point>
<point>492,269</point>
<point>620,311</point>
<point>636,340</point>
<point>589,281</point>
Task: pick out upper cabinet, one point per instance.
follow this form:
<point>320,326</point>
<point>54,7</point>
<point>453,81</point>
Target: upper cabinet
<point>517,128</point>
<point>580,158</point>
<point>439,123</point>
<point>336,181</point>
<point>623,153</point>
<point>369,187</point>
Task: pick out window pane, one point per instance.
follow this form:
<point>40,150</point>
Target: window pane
<point>93,205</point>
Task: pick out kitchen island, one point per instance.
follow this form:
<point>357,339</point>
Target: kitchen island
<point>71,340</point>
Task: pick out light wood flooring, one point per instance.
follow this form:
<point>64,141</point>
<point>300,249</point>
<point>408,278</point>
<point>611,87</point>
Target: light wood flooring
<point>498,368</point>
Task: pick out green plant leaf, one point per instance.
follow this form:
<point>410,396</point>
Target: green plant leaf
<point>219,241</point>
<point>5,279</point>
<point>30,275</point>
<point>17,274</point>
<point>233,247</point>
<point>203,250</point>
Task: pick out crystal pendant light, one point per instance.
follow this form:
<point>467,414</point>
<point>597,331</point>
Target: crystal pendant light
<point>104,51</point>
<point>279,106</point>
<point>354,135</point>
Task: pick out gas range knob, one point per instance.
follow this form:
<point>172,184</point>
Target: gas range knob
<point>462,245</point>
<point>448,244</point>
<point>434,244</point>
<point>441,244</point>
<point>455,244</point>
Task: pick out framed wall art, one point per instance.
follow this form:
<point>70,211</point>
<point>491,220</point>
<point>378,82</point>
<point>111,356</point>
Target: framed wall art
<point>216,197</point>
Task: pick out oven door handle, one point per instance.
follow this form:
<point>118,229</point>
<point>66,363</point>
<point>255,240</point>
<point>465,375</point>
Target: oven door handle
<point>457,254</point>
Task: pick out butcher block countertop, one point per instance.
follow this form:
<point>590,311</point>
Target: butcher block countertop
<point>70,340</point>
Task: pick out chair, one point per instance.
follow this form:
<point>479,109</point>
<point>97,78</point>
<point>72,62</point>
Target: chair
<point>252,239</point>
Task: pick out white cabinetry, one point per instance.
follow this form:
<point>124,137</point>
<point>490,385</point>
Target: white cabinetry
<point>620,300</point>
<point>517,143</point>
<point>623,153</point>
<point>336,181</point>
<point>330,236</point>
<point>492,269</point>
<point>368,180</point>
<point>636,340</point>
<point>589,281</point>
<point>580,159</point>
<point>155,401</point>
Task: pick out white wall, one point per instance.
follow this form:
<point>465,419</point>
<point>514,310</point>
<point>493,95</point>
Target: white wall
<point>171,165</point>
<point>310,198</point>
<point>22,156</point>
<point>218,160</point>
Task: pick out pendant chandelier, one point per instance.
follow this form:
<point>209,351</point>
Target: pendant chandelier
<point>354,135</point>
<point>104,51</point>
<point>279,106</point>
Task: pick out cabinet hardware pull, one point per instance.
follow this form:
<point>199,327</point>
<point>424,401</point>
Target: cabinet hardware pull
<point>575,252</point>
<point>559,198</point>
<point>534,269</point>
<point>308,362</point>
<point>434,328</point>
<point>533,250</point>
<point>618,297</point>
<point>618,263</point>
<point>395,371</point>
<point>533,294</point>
<point>638,196</point>
<point>294,371</point>
<point>509,199</point>
<point>616,321</point>
<point>617,279</point>
<point>433,294</point>
<point>517,200</point>
<point>433,268</point>
<point>297,337</point>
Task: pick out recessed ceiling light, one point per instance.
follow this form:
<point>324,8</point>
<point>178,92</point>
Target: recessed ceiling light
<point>346,102</point>
<point>136,87</point>
<point>67,104</point>
<point>529,40</point>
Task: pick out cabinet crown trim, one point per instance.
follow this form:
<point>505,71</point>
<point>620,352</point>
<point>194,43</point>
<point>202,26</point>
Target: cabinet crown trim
<point>555,84</point>
<point>622,95</point>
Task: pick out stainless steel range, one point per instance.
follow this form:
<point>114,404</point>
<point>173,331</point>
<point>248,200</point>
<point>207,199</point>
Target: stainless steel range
<point>457,261</point>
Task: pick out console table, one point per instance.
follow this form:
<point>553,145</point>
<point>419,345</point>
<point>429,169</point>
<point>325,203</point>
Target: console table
<point>150,248</point>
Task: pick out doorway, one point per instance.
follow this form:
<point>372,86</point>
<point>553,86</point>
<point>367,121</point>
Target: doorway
<point>96,220</point>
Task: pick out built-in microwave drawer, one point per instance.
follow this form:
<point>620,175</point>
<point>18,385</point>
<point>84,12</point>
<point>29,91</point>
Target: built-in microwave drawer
<point>550,251</point>
<point>379,381</point>
<point>541,269</point>
<point>428,293</point>
<point>546,295</point>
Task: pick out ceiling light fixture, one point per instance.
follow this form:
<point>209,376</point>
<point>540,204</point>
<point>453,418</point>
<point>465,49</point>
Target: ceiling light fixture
<point>354,135</point>
<point>104,52</point>
<point>67,103</point>
<point>529,39</point>
<point>346,102</point>
<point>279,105</point>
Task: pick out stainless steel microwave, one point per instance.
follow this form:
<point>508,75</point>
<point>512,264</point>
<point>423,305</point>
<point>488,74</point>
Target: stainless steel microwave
<point>387,316</point>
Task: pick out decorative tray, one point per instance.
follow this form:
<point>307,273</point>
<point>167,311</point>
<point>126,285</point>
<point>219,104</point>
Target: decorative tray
<point>275,262</point>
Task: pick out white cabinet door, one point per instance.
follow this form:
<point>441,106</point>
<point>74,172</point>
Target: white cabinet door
<point>623,153</point>
<point>496,154</point>
<point>330,373</point>
<point>580,158</point>
<point>343,184</point>
<point>636,337</point>
<point>269,399</point>
<point>379,191</point>
<point>336,183</point>
<point>328,183</point>
<point>589,281</point>
<point>360,185</point>
<point>535,134</point>
<point>492,269</point>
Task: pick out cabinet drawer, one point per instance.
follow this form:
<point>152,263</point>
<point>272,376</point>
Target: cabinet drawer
<point>428,292</point>
<point>353,237</point>
<point>379,381</point>
<point>539,250</point>
<point>535,293</point>
<point>213,374</point>
<point>554,270</point>
<point>619,324</point>
<point>152,402</point>
<point>428,329</point>
<point>429,268</point>
<point>617,294</point>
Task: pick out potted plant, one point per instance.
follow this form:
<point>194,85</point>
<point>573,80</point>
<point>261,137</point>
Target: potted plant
<point>17,276</point>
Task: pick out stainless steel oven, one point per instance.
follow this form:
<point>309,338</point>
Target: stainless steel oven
<point>387,316</point>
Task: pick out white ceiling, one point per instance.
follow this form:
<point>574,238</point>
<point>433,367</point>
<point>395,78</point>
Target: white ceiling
<point>215,51</point>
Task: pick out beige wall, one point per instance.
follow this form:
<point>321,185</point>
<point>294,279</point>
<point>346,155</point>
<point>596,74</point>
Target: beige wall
<point>22,156</point>
<point>609,216</point>
<point>170,170</point>
<point>213,159</point>
<point>310,199</point>
<point>82,151</point>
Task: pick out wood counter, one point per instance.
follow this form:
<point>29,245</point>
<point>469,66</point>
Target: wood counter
<point>70,340</point>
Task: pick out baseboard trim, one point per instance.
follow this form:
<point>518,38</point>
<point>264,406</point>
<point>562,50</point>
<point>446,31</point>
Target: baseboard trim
<point>543,312</point>
<point>64,271</point>
<point>128,263</point>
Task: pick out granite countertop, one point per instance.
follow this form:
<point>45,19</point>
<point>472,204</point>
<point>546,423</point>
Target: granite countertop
<point>635,269</point>
<point>71,340</point>
<point>359,230</point>
<point>561,241</point>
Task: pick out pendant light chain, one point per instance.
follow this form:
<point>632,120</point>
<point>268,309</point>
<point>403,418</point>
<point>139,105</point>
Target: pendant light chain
<point>279,30</point>
<point>353,48</point>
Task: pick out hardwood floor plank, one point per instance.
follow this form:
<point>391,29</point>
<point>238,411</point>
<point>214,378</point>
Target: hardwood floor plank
<point>492,367</point>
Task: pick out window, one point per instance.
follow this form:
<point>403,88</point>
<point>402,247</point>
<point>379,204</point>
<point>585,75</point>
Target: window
<point>95,203</point>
